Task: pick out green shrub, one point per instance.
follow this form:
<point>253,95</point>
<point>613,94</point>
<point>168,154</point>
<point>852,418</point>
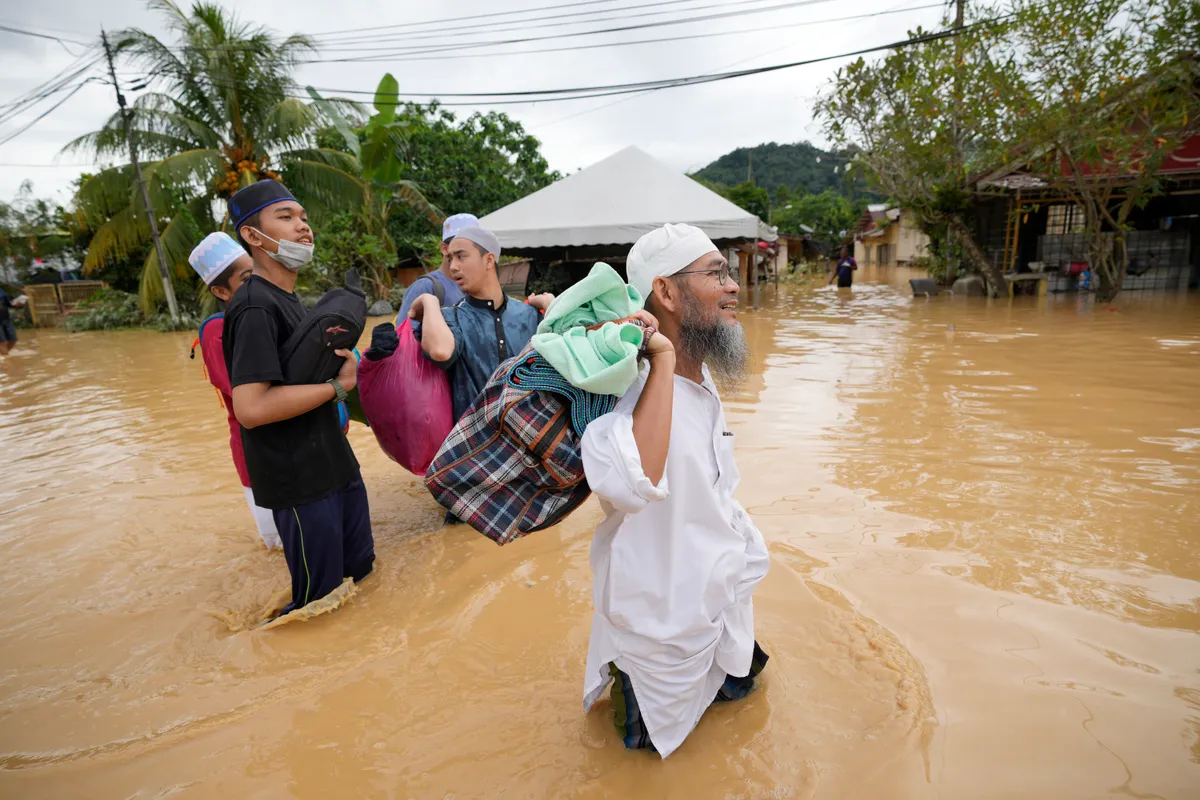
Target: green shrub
<point>161,322</point>
<point>105,310</point>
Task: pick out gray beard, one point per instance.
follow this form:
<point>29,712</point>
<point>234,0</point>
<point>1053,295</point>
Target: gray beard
<point>706,338</point>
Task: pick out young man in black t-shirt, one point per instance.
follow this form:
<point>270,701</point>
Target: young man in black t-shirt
<point>300,464</point>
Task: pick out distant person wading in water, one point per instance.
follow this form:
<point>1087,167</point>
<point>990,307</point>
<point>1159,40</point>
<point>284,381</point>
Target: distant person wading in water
<point>8,333</point>
<point>844,273</point>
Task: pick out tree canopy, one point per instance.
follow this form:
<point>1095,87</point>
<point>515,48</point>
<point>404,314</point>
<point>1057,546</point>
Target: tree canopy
<point>801,167</point>
<point>1090,95</point>
<point>219,118</point>
<point>473,165</point>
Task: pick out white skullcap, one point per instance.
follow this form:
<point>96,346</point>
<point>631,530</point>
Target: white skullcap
<point>455,223</point>
<point>663,252</point>
<point>484,238</point>
<point>213,255</point>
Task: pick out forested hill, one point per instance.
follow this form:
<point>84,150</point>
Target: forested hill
<point>799,165</point>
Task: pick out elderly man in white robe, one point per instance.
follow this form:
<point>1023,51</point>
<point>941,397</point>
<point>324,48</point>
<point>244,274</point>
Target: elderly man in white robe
<point>676,558</point>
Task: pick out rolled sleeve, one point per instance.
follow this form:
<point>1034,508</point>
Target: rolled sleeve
<point>613,465</point>
<point>451,316</point>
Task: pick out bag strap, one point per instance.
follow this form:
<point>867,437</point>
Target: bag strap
<point>439,291</point>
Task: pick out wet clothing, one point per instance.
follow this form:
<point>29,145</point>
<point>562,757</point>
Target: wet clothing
<point>294,461</point>
<point>212,349</point>
<point>327,541</point>
<point>675,565</point>
<point>264,520</point>
<point>483,337</point>
<point>627,715</point>
<point>845,272</point>
<point>8,333</point>
<point>424,285</point>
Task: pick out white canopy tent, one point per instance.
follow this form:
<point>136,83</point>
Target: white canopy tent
<point>614,202</point>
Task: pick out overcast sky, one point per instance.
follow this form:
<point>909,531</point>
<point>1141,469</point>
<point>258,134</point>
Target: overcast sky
<point>685,127</point>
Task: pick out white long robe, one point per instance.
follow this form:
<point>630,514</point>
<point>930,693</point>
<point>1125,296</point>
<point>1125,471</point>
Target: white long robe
<point>674,565</point>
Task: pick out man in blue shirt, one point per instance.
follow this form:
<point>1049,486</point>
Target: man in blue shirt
<point>424,284</point>
<point>471,338</point>
<point>844,273</point>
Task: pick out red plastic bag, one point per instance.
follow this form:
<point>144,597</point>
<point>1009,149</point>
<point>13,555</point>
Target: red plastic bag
<point>406,398</point>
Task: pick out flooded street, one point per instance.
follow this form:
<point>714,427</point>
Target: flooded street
<point>985,582</point>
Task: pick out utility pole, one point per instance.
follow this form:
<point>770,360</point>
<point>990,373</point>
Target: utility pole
<point>959,144</point>
<point>168,287</point>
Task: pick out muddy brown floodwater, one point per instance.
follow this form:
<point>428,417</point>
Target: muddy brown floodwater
<point>985,581</point>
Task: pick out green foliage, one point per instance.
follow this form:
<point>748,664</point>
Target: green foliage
<point>1090,96</point>
<point>800,167</point>
<point>218,119</point>
<point>33,228</point>
<point>1102,92</point>
<point>751,197</point>
<point>188,321</point>
<point>923,120</point>
<point>475,165</point>
<point>829,214</point>
<point>345,242</point>
<point>106,310</point>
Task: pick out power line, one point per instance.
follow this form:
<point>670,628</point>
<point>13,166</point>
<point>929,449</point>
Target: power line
<point>7,164</point>
<point>609,90</point>
<point>43,115</point>
<point>582,93</point>
<point>323,41</point>
<point>61,41</point>
<point>634,96</point>
<point>454,20</point>
<point>57,84</point>
<point>619,29</point>
<point>46,83</point>
<point>58,39</point>
<point>573,48</point>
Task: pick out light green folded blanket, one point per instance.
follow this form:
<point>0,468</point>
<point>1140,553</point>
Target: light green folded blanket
<point>601,361</point>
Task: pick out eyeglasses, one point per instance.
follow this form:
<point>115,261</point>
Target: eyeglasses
<point>723,274</point>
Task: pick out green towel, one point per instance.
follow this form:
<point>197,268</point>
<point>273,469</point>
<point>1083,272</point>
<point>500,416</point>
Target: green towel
<point>601,361</point>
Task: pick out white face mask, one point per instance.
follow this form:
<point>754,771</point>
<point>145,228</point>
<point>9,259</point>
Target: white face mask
<point>292,255</point>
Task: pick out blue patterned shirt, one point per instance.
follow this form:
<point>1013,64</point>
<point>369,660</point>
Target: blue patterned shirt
<point>484,336</point>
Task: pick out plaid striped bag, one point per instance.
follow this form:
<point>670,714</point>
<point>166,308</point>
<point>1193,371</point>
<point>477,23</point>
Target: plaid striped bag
<point>512,465</point>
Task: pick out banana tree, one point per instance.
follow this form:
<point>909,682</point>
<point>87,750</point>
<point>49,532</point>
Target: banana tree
<point>378,147</point>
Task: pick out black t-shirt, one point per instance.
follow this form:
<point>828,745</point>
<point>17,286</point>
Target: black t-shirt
<point>294,461</point>
<point>5,316</point>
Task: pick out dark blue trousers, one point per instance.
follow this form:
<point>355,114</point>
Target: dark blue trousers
<point>326,541</point>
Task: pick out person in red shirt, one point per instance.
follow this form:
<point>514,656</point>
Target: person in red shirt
<point>223,265</point>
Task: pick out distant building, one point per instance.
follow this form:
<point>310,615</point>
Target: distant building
<point>1023,225</point>
<point>888,237</point>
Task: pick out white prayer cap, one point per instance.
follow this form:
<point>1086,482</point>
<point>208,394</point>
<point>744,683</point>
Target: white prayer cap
<point>484,238</point>
<point>214,255</point>
<point>455,223</point>
<point>664,251</point>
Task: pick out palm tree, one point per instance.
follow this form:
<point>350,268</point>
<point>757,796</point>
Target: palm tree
<point>221,118</point>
